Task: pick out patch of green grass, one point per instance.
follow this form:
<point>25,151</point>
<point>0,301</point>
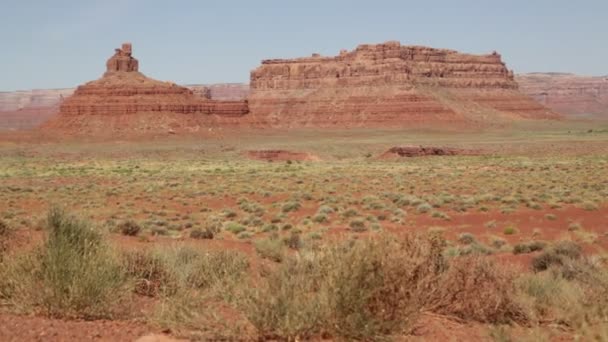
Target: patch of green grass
<point>234,227</point>
<point>510,230</point>
<point>290,206</point>
<point>270,248</point>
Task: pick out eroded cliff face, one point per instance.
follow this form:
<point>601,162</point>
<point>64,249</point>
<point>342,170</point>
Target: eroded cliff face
<point>387,85</point>
<point>129,101</point>
<point>27,109</point>
<point>572,95</point>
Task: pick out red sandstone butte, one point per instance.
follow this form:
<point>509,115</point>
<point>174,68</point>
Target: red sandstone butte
<point>126,100</point>
<point>27,109</point>
<point>388,85</point>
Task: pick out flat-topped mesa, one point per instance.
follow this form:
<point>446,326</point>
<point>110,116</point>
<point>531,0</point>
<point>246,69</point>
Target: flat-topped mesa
<point>386,85</point>
<point>124,99</point>
<point>388,63</point>
<point>122,61</point>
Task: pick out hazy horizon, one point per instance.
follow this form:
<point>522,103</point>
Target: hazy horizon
<point>66,43</point>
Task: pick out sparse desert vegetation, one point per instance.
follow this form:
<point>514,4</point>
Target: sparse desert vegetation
<point>186,237</point>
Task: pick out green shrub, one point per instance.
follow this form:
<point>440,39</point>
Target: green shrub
<point>441,215</point>
<point>167,271</point>
<point>130,228</point>
<point>466,238</point>
<point>558,255</point>
<point>569,249</point>
<point>270,248</point>
<point>290,206</point>
<point>270,227</point>
<point>198,233</point>
<point>294,241</point>
<point>509,230</point>
<point>324,209</point>
<point>474,248</point>
<point>234,228</point>
<point>229,213</point>
<point>73,274</point>
<point>476,288</point>
<point>5,233</point>
<point>424,208</point>
<point>319,218</point>
<point>551,217</point>
<point>351,212</point>
<point>357,225</point>
<point>365,290</point>
<point>151,273</point>
<point>244,235</point>
<point>528,247</point>
<point>498,243</point>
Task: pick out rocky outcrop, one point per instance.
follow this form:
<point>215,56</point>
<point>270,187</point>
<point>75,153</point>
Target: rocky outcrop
<point>124,94</point>
<point>122,61</point>
<point>28,109</point>
<point>384,85</point>
<point>387,85</point>
<point>425,151</point>
<point>572,95</point>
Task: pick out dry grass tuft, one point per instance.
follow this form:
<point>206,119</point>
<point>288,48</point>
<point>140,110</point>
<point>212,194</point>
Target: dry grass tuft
<point>475,288</point>
<point>360,291</point>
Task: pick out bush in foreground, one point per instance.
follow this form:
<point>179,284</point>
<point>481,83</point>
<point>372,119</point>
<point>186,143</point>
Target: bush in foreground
<point>363,291</point>
<point>475,288</point>
<point>73,274</point>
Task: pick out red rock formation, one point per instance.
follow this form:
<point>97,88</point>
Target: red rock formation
<point>572,95</point>
<point>122,60</point>
<point>27,109</point>
<point>125,93</point>
<point>386,85</point>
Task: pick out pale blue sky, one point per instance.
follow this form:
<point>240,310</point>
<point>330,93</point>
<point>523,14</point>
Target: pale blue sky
<point>62,43</point>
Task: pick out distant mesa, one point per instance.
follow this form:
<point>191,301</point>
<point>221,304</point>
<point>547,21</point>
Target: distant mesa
<point>125,100</point>
<point>384,85</point>
<point>573,95</point>
<point>388,85</point>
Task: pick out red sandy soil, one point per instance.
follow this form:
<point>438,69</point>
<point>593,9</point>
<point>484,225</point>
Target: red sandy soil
<point>429,328</point>
<point>30,328</point>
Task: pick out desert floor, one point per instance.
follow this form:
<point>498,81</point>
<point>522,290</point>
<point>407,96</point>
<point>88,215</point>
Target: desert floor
<point>525,186</point>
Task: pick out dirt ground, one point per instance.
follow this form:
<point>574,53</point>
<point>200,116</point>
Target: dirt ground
<point>529,185</point>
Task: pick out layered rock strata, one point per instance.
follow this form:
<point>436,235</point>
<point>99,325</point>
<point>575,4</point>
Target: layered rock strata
<point>125,93</point>
<point>386,85</point>
<point>572,95</point>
